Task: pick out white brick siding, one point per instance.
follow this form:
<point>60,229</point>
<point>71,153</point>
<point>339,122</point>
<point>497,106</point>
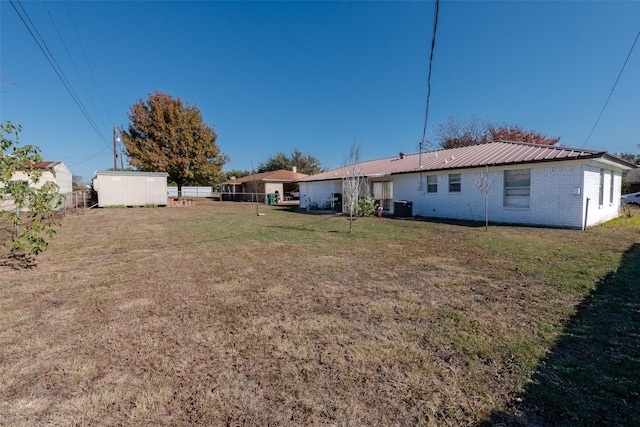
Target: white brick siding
<point>600,213</point>
<point>558,194</point>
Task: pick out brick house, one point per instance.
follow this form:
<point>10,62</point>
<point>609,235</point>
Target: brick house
<point>247,188</point>
<point>526,184</point>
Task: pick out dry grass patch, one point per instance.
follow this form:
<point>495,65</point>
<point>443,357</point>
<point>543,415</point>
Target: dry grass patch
<point>213,315</point>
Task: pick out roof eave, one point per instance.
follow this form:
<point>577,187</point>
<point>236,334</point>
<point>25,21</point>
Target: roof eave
<point>618,161</point>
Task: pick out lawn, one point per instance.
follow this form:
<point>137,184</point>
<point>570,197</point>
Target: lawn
<point>213,315</point>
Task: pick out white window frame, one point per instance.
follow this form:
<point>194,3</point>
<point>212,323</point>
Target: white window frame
<point>601,189</point>
<point>432,183</point>
<point>517,188</point>
<point>455,183</point>
<point>611,187</point>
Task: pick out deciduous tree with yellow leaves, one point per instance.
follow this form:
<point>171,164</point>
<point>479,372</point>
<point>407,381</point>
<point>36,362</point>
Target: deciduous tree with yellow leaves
<point>167,135</point>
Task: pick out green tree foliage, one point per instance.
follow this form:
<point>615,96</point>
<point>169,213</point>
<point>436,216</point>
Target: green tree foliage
<point>226,176</point>
<point>29,203</point>
<point>456,133</point>
<point>166,135</point>
<point>304,163</point>
<point>629,157</point>
<point>633,159</point>
<point>78,183</point>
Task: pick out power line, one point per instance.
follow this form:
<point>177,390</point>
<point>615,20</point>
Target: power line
<point>84,53</point>
<point>73,64</point>
<point>612,89</point>
<point>56,68</point>
<point>89,158</point>
<point>433,46</point>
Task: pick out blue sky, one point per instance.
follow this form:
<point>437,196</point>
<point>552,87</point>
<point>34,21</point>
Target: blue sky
<point>316,76</point>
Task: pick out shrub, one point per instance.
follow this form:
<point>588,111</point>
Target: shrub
<point>366,206</point>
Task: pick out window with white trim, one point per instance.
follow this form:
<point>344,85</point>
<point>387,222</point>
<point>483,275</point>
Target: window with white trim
<point>611,187</point>
<point>455,183</point>
<point>432,183</point>
<point>601,189</point>
<point>517,188</point>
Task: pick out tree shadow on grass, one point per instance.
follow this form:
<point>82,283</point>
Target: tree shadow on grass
<point>592,375</point>
<point>17,261</point>
<point>448,221</point>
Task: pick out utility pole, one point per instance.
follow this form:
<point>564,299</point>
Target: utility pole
<point>115,155</point>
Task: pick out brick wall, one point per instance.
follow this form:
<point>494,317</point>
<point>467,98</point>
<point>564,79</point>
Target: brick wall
<point>557,196</point>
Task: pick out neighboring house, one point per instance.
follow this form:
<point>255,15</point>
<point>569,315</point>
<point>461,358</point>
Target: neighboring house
<point>128,188</point>
<point>247,188</point>
<point>527,184</point>
<point>632,180</point>
<point>61,175</point>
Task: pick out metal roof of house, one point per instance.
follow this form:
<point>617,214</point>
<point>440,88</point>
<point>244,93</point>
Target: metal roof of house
<point>57,165</point>
<point>490,154</point>
<point>47,164</point>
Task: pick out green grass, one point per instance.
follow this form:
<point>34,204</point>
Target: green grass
<point>214,315</point>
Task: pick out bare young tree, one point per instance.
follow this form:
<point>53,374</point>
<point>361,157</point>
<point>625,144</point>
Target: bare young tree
<point>484,182</point>
<point>353,181</point>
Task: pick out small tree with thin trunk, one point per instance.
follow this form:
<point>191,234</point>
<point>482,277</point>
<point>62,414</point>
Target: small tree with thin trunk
<point>32,202</point>
<point>484,183</point>
<point>353,181</point>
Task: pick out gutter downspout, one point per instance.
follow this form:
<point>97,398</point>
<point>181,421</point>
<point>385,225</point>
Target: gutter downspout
<point>586,215</point>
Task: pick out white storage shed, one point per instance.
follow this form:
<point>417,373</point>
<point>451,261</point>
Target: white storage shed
<point>128,188</point>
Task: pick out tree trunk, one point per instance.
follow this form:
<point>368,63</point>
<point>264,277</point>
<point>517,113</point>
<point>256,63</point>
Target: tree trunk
<point>486,212</point>
<point>351,218</point>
